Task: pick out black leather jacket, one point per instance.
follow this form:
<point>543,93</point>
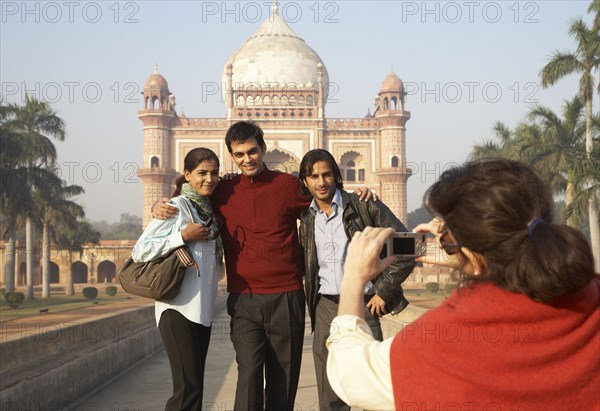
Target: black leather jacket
<point>356,216</point>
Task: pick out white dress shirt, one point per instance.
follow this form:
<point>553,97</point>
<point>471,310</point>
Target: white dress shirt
<point>196,299</point>
<point>358,364</point>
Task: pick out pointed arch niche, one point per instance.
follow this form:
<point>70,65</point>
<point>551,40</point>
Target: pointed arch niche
<point>282,160</point>
<point>352,166</point>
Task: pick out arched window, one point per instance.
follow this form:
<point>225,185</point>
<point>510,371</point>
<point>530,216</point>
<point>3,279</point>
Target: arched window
<point>154,162</point>
<point>54,273</point>
<point>394,103</point>
<point>350,171</point>
<point>106,272</point>
<point>394,161</point>
<point>353,167</point>
<point>80,272</point>
<point>386,103</point>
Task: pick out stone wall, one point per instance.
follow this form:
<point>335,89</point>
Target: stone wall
<point>50,367</point>
<point>393,324</point>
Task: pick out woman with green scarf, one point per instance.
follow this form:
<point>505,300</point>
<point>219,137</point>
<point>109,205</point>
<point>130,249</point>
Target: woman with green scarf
<point>185,321</point>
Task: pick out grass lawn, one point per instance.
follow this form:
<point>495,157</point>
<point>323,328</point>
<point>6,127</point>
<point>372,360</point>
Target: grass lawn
<point>56,303</point>
<point>59,302</point>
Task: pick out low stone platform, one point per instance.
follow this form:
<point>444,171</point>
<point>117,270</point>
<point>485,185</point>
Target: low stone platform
<point>111,358</point>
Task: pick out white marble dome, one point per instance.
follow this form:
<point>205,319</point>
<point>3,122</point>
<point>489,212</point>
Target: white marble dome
<point>275,55</point>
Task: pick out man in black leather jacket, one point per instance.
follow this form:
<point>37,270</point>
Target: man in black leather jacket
<point>325,231</point>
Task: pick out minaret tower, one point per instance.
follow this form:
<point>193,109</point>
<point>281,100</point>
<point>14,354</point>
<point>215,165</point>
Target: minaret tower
<point>392,119</point>
<point>158,115</point>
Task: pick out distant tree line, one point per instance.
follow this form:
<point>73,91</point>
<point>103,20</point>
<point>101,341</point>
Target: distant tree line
<point>129,227</point>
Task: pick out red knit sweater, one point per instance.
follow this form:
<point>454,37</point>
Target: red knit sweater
<point>260,237</point>
<point>489,349</point>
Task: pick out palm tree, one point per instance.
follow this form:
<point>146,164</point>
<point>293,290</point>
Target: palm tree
<point>555,147</point>
<point>34,124</point>
<point>56,209</point>
<point>9,189</point>
<point>72,238</point>
<point>509,142</point>
<point>583,61</point>
<point>15,182</point>
<point>506,147</point>
<point>559,153</point>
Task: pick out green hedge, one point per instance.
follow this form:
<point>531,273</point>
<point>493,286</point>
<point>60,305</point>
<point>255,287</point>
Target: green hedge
<point>432,287</point>
<point>90,292</point>
<point>14,299</point>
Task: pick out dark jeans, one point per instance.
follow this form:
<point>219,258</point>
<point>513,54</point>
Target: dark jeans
<point>325,313</point>
<point>186,344</point>
<point>267,332</point>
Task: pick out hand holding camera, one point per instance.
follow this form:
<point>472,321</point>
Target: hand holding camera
<point>447,255</point>
<point>362,260</point>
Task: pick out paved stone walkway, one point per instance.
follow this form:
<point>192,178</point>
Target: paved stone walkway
<point>147,386</point>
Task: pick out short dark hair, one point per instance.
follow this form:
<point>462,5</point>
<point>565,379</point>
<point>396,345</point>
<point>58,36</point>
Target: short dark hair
<point>242,131</point>
<point>192,159</point>
<point>488,207</point>
<point>314,156</point>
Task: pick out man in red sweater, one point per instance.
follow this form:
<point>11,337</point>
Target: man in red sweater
<point>259,209</point>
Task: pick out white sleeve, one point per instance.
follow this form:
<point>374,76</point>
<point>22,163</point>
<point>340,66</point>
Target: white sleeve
<point>159,238</point>
<point>358,366</point>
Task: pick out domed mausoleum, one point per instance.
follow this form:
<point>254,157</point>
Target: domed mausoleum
<point>276,79</point>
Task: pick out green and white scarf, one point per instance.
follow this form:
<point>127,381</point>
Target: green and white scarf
<point>204,208</point>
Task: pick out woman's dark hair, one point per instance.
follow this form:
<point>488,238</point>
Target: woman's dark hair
<point>192,159</point>
<point>488,207</point>
<point>308,162</point>
<point>242,131</point>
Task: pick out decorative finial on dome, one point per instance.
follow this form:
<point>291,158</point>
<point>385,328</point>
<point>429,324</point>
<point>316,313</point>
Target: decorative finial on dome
<point>275,7</point>
<point>155,69</point>
<point>393,69</point>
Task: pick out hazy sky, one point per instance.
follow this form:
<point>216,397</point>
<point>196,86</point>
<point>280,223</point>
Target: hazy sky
<point>465,65</point>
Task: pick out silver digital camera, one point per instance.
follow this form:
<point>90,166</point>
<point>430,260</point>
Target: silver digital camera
<point>405,244</point>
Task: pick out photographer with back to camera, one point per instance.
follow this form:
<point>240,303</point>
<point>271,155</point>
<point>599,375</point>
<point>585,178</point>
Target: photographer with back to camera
<point>522,331</point>
<point>325,231</point>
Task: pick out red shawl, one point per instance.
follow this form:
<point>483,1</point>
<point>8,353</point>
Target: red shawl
<point>486,348</point>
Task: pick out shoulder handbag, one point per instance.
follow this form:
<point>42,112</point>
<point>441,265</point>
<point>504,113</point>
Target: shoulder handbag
<point>159,279</point>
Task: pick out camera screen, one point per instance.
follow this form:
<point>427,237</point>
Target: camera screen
<point>403,246</point>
